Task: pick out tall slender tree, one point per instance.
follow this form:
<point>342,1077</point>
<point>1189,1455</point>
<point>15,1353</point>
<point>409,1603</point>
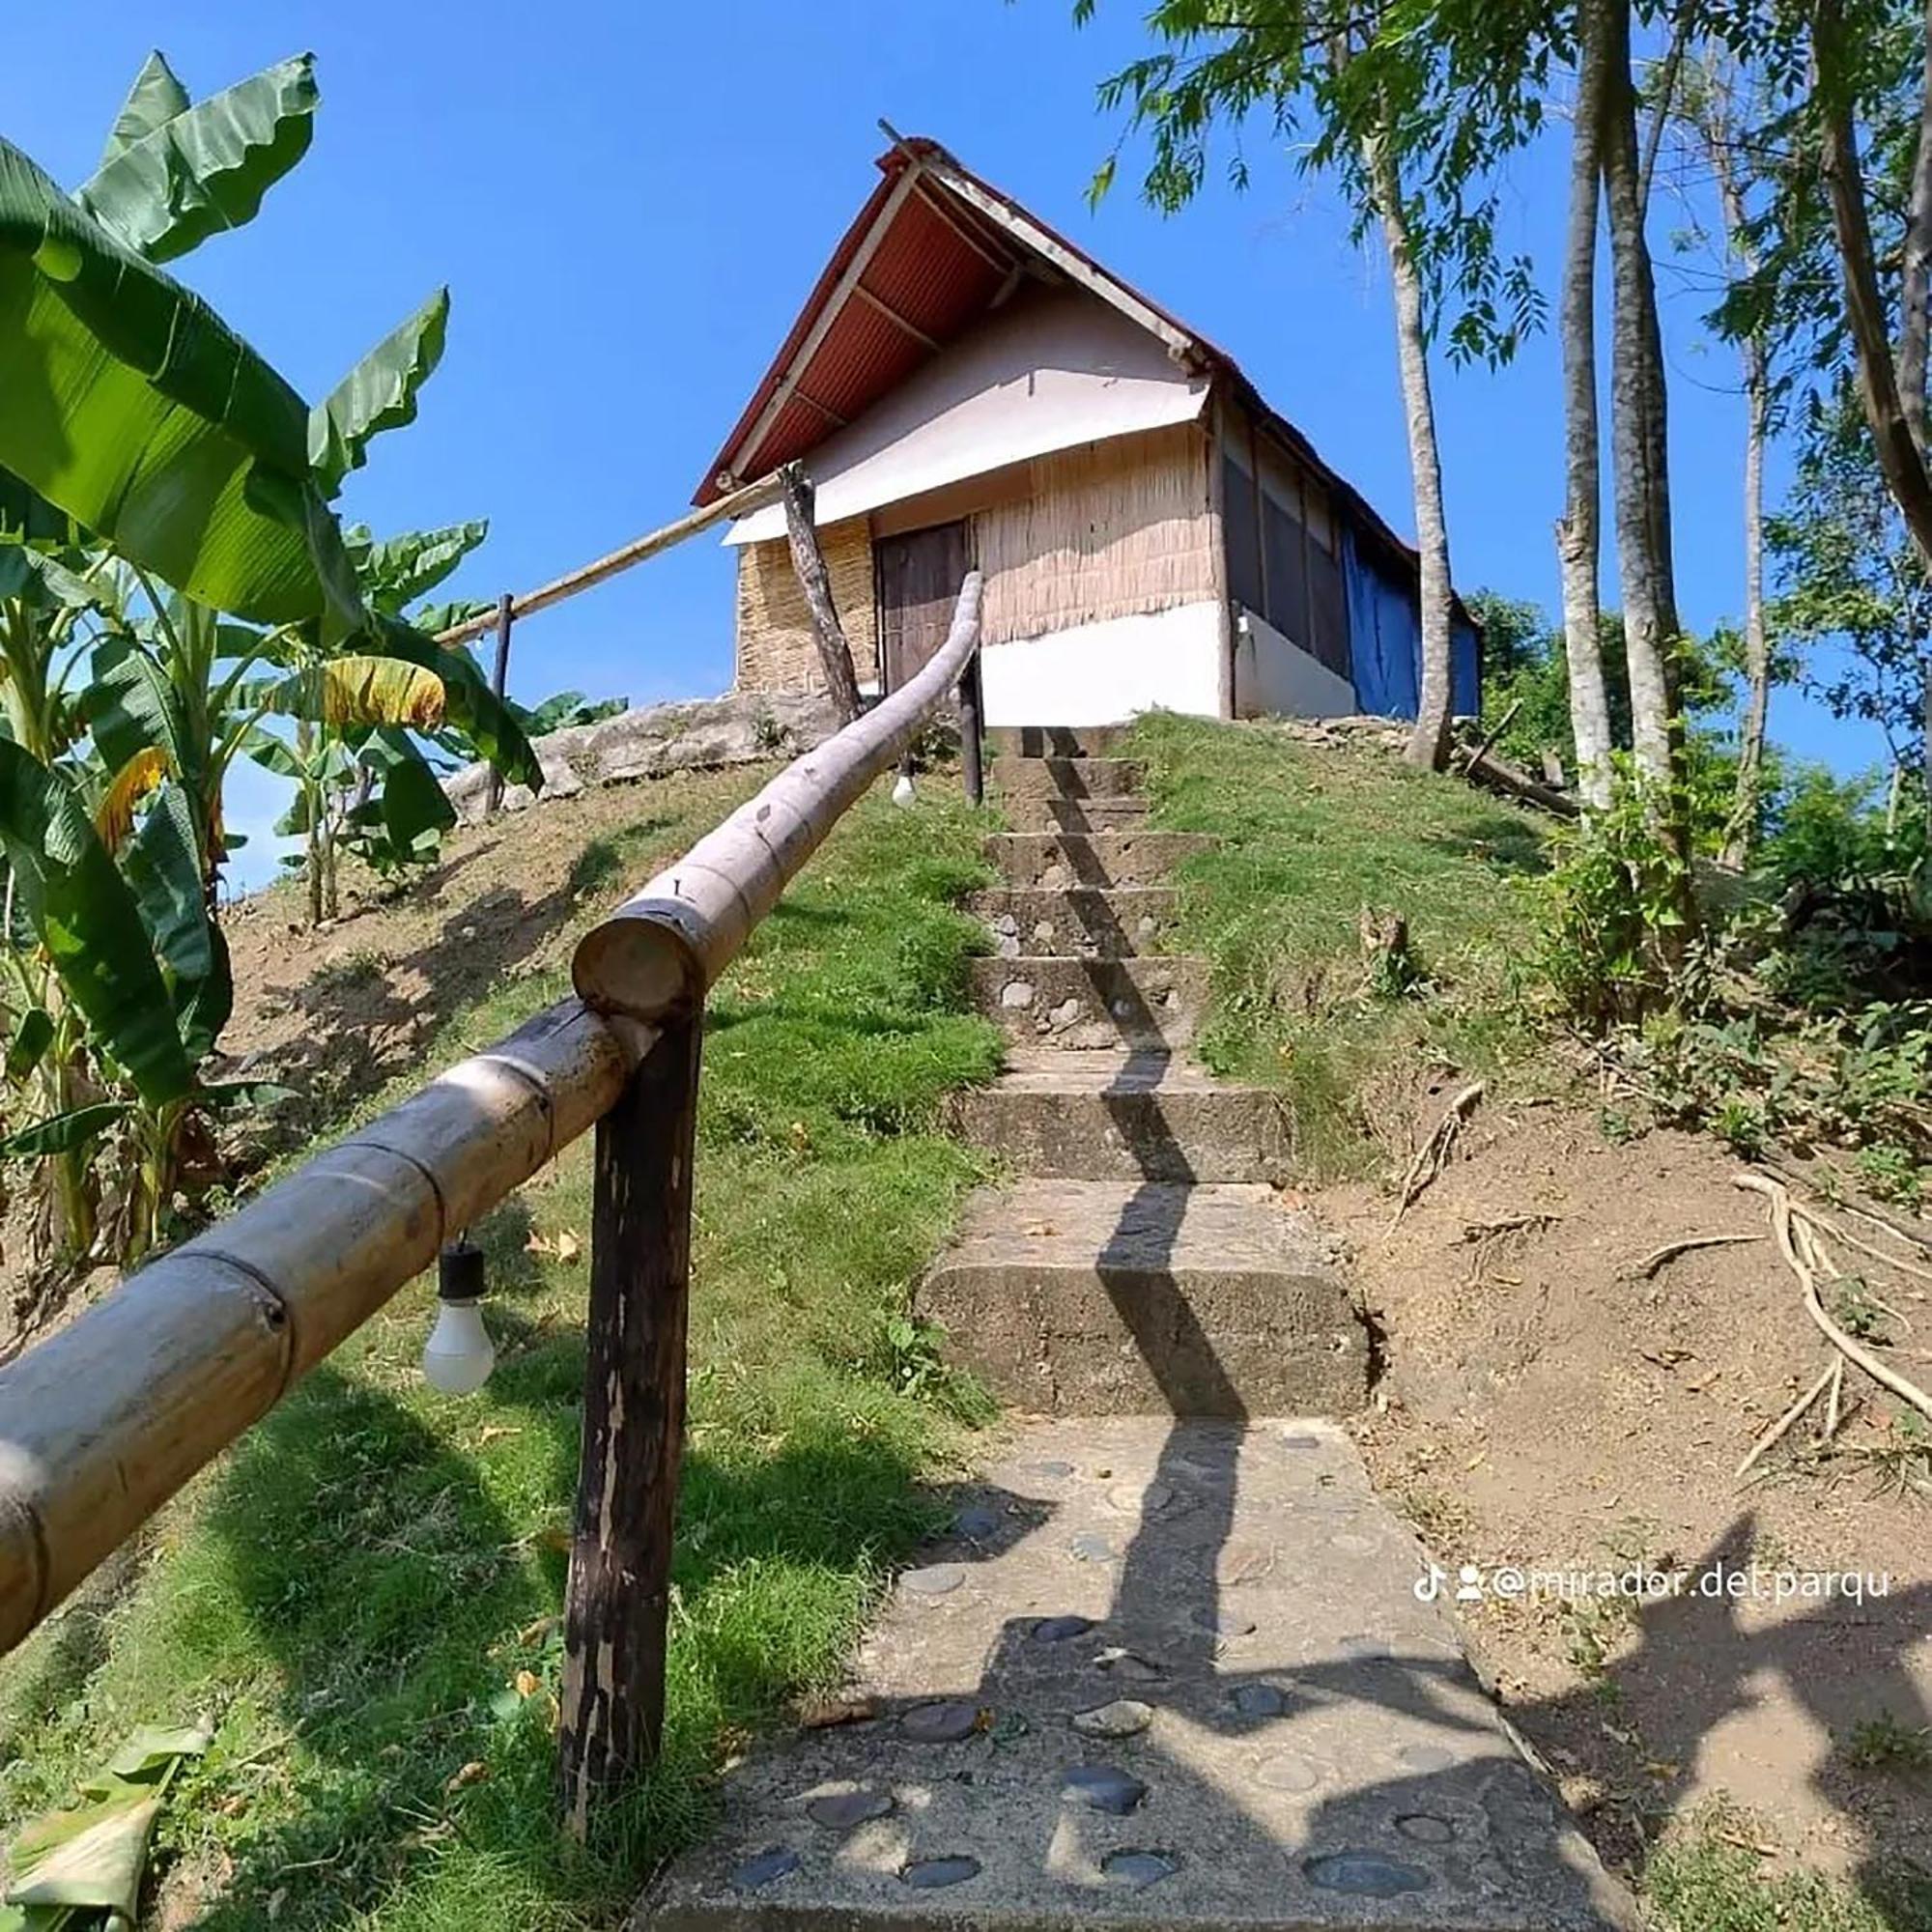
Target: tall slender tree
<point>1378,111</point>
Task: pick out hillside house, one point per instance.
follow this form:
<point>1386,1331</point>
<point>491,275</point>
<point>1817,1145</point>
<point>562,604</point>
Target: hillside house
<point>965,387</point>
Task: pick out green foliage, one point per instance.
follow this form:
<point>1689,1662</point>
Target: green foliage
<point>174,174</point>
<point>1308,839</point>
<point>1447,93</point>
<point>133,407</point>
<point>1705,1877</point>
<point>1608,911</point>
<point>1849,575</point>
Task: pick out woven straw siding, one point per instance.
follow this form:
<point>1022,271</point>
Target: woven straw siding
<point>776,648</point>
<point>1108,530</point>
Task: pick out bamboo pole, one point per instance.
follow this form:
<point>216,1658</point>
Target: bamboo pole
<point>739,503</point>
<point>659,952</point>
<point>105,1420</point>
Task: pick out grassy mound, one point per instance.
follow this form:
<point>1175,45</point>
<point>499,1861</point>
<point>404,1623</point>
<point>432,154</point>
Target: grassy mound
<point>362,1598</point>
<point>1313,837</point>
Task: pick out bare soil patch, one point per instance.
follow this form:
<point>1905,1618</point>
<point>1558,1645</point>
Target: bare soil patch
<point>1552,1408</point>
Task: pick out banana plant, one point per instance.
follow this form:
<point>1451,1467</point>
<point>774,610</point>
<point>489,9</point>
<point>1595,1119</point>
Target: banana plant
<point>124,986</point>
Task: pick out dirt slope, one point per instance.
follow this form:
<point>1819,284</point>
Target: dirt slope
<point>1552,1408</point>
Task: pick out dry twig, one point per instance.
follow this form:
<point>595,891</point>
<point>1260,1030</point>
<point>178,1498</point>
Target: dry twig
<point>1786,1422</point>
<point>1433,1155</point>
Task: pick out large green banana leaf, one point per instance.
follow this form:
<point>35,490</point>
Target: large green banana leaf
<point>204,168</point>
<point>155,97</point>
<point>410,810</point>
<point>133,407</point>
<point>379,393</point>
<point>132,707</point>
<point>87,917</point>
<point>398,570</point>
<point>163,866</point>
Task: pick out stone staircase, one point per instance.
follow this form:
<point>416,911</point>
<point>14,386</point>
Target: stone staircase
<point>1168,1665</point>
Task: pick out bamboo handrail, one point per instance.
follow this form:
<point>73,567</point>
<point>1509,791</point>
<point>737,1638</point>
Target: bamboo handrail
<point>659,952</point>
<point>102,1423</point>
<point>738,503</point>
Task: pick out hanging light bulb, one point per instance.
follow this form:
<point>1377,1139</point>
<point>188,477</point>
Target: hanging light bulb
<point>458,1354</point>
<point>902,791</point>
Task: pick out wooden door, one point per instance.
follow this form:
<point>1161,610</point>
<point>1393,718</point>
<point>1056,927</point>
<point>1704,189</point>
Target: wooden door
<point>919,577</point>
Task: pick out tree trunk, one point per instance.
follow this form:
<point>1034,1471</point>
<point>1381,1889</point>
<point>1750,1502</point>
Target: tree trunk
<point>1637,427</point>
<point>1579,539</point>
<point>1716,126</point>
<point>1925,730</point>
<point>1891,417</point>
<point>1741,834</point>
<point>1428,742</point>
<point>834,655</point>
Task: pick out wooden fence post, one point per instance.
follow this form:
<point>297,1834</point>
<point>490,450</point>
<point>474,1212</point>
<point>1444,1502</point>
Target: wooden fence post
<point>618,1595</point>
<point>506,611</point>
<point>970,725</point>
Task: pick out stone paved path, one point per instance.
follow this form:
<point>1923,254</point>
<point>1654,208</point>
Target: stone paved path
<point>1169,1666</point>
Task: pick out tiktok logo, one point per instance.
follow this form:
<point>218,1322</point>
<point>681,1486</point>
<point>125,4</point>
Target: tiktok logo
<point>1429,1586</point>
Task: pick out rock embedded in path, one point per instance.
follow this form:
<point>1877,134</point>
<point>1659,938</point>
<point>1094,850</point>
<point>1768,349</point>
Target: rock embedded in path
<point>1123,1717</point>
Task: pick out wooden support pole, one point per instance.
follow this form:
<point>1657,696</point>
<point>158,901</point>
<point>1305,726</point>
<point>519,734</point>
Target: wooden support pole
<point>618,1603</point>
<point>499,677</point>
<point>834,655</point>
<point>971,724</point>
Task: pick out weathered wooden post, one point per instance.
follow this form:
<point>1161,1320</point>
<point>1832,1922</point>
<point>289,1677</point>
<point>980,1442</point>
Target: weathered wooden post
<point>971,724</point>
<point>498,680</point>
<point>618,1603</point>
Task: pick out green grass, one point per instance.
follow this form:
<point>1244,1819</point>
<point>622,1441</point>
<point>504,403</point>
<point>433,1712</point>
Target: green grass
<point>1705,1877</point>
<point>1310,836</point>
<point>362,1597</point>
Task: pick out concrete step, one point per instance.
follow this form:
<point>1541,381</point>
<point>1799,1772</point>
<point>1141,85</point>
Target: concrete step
<point>1092,1003</point>
<point>1098,859</point>
<point>1125,1116</point>
<point>1083,923</point>
<point>1055,741</point>
<point>1291,1741</point>
<point>1101,1297</point>
<point>1029,812</point>
<point>1069,778</point>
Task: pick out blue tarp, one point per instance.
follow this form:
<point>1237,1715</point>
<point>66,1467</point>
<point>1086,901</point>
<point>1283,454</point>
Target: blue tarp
<point>1385,642</point>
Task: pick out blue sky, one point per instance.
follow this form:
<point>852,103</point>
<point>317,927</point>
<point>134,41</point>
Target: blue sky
<point>630,201</point>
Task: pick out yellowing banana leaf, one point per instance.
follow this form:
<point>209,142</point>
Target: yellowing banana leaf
<point>133,407</point>
<point>362,690</point>
<point>204,168</point>
<point>472,709</point>
<point>114,815</point>
<point>379,393</point>
<point>155,97</point>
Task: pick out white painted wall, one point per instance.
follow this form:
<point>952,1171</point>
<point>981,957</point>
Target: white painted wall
<point>1274,677</point>
<point>1104,673</point>
<point>1046,372</point>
